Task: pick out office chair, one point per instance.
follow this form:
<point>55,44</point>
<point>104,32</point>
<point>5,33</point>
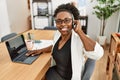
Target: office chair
<point>50,28</point>
<point>88,70</point>
<point>8,36</point>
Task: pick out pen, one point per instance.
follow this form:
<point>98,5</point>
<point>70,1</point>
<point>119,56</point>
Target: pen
<point>29,36</point>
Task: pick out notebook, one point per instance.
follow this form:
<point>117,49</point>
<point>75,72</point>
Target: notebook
<point>17,49</point>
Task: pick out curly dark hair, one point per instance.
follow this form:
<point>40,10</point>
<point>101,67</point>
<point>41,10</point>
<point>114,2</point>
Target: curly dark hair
<point>69,8</point>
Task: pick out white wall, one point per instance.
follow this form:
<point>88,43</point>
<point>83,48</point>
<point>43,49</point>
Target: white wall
<point>13,16</point>
<point>18,13</point>
<point>4,20</point>
<point>93,22</point>
<point>112,25</point>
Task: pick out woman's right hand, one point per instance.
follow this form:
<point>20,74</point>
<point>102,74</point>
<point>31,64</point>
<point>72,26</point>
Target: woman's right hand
<point>40,51</point>
<point>34,52</point>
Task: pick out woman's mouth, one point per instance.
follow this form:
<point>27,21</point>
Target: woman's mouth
<point>64,29</point>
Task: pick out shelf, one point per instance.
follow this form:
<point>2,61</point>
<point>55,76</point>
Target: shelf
<point>83,17</point>
<point>41,11</point>
<point>84,22</point>
<point>41,0</point>
<point>47,15</point>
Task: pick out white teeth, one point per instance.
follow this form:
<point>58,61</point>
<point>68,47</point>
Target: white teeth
<point>64,29</point>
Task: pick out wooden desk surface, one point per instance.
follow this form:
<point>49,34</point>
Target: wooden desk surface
<point>17,71</point>
<point>41,34</point>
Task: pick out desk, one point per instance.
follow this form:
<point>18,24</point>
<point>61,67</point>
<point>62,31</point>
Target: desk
<point>17,71</point>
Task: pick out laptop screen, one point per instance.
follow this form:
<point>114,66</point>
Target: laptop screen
<point>16,46</point>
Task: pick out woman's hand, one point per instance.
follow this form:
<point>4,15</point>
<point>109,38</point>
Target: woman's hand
<point>77,27</point>
<point>34,53</point>
<point>40,51</point>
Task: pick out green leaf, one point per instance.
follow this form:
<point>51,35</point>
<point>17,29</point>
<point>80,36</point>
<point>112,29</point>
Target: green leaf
<point>106,8</point>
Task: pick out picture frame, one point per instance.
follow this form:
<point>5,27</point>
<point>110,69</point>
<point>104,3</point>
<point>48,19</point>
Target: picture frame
<point>28,1</point>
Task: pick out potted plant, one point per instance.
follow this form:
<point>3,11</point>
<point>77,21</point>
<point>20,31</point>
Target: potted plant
<point>103,11</point>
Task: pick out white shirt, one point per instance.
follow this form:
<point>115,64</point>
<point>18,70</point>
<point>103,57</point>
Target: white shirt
<point>77,54</point>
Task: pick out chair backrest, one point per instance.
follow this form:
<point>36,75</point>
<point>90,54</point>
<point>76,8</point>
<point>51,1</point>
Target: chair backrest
<point>88,69</point>
<point>50,28</point>
<point>8,36</point>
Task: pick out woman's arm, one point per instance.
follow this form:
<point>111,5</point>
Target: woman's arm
<point>88,43</point>
<point>37,52</point>
<point>92,49</point>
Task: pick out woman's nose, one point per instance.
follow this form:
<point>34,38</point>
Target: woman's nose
<point>62,23</point>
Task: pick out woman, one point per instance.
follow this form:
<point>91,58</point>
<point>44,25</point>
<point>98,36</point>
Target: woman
<point>70,46</point>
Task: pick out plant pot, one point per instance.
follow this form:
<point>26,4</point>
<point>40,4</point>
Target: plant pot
<point>102,40</point>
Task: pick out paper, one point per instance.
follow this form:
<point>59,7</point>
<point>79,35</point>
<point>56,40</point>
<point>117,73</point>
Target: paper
<point>42,44</point>
<point>41,22</point>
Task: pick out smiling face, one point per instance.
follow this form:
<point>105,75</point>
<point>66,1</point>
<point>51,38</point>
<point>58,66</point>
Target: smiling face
<point>64,22</point>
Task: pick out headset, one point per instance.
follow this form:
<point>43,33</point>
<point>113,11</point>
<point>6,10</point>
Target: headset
<point>73,24</point>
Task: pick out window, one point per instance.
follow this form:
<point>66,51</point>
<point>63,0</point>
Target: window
<point>82,7</point>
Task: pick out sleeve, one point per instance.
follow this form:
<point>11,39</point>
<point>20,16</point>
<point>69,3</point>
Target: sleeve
<point>96,54</point>
<point>56,37</point>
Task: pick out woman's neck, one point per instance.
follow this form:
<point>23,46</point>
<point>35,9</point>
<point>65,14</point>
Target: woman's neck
<point>65,37</point>
<point>63,40</point>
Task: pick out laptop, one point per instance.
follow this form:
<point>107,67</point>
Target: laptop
<point>17,49</point>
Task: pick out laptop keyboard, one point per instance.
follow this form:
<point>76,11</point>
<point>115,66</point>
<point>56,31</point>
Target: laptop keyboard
<point>22,58</point>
